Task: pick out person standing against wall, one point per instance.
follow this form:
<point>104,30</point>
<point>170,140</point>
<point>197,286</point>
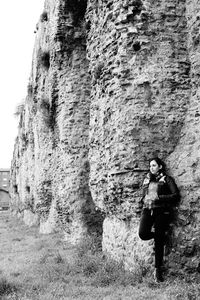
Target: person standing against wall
<point>160,196</point>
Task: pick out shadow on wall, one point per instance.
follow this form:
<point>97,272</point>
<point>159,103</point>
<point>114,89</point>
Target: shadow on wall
<point>77,9</point>
<point>92,217</point>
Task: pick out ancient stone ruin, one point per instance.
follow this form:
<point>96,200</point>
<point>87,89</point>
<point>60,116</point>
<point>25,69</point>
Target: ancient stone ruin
<point>113,82</point>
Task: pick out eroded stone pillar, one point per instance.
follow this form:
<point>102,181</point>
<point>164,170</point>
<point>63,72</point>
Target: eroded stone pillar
<point>140,68</point>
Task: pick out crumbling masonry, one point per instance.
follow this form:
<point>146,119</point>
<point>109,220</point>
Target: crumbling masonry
<point>112,83</point>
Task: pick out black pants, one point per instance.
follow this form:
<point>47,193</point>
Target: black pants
<point>160,219</point>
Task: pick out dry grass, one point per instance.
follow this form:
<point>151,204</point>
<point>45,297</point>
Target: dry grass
<point>44,267</point>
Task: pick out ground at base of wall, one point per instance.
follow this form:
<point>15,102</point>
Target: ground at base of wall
<point>35,266</point>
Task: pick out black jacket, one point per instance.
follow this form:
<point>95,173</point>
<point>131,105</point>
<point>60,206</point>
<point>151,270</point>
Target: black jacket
<point>168,193</point>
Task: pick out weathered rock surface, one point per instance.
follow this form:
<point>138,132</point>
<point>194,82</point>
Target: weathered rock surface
<point>112,84</point>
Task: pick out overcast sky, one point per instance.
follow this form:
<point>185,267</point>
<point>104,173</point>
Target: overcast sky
<point>18,20</point>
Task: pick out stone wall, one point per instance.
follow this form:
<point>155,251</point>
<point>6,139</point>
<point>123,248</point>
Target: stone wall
<point>113,83</point>
<point>140,62</point>
<point>50,173</point>
<point>140,96</point>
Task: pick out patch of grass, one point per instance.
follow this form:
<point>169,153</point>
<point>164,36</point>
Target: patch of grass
<point>102,270</point>
<point>58,259</point>
<point>15,274</point>
<point>6,287</point>
<point>17,239</point>
<point>44,258</point>
<point>54,268</point>
<point>91,244</point>
<point>58,271</point>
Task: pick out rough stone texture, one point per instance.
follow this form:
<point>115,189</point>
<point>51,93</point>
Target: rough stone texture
<point>119,83</point>
<point>139,99</point>
<point>185,160</point>
<point>50,170</point>
<point>120,239</point>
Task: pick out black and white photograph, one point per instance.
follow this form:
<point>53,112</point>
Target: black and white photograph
<point>100,150</point>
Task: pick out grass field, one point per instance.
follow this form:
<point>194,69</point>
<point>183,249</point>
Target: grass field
<point>44,267</point>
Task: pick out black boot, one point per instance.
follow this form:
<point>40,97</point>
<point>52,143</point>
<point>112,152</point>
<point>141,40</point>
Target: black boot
<point>158,275</point>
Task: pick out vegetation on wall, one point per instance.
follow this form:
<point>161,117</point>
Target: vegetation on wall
<point>30,90</point>
<point>44,59</point>
<point>64,215</point>
<point>43,104</point>
<point>48,112</point>
<point>77,8</point>
<point>24,141</point>
<point>44,195</point>
<point>53,110</point>
<point>44,16</point>
<point>71,28</point>
<point>19,110</point>
<point>98,71</point>
<point>29,203</point>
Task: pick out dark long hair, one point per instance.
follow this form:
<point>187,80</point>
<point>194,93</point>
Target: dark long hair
<point>162,170</point>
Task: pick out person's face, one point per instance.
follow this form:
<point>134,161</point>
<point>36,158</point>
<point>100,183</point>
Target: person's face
<point>154,167</point>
